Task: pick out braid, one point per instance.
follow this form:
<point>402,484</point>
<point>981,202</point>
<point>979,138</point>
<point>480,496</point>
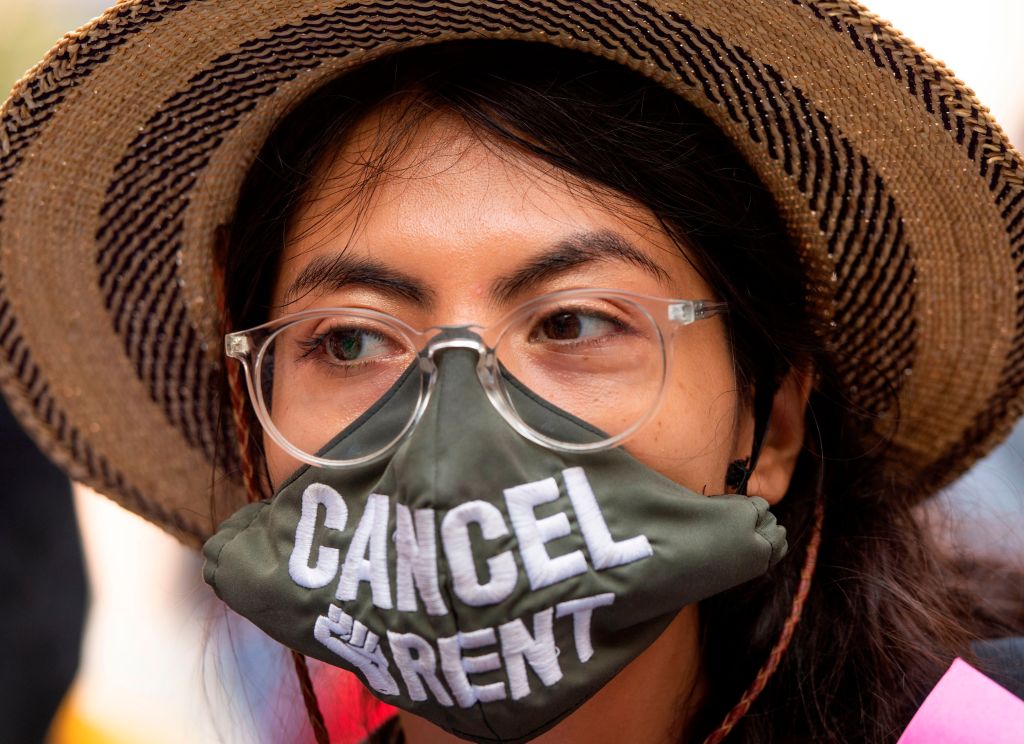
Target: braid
<point>775,656</point>
<point>243,431</point>
<point>245,444</point>
<point>316,718</point>
<point>247,457</point>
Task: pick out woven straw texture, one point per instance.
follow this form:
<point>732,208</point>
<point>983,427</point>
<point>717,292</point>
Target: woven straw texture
<point>122,152</point>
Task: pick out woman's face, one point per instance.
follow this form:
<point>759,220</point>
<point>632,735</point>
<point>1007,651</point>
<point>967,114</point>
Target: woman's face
<point>454,217</point>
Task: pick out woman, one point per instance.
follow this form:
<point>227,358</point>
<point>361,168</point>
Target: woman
<point>511,488</point>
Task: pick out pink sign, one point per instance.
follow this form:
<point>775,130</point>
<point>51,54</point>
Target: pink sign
<point>966,707</point>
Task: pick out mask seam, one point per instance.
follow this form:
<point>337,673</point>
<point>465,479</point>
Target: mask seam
<point>441,404</point>
<point>445,580</point>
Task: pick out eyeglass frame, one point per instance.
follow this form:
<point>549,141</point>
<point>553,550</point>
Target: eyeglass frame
<point>249,347</point>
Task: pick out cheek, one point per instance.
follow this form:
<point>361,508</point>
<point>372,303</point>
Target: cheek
<point>279,463</point>
<point>302,424</point>
<point>309,410</point>
<point>310,426</point>
<point>692,436</point>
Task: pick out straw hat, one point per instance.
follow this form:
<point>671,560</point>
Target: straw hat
<point>123,150</point>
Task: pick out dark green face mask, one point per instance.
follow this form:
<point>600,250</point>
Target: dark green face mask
<point>474,578</point>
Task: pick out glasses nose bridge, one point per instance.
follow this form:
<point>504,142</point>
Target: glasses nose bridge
<point>455,337</point>
<point>461,337</point>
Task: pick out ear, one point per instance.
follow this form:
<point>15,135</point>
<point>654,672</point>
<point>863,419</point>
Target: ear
<point>783,439</point>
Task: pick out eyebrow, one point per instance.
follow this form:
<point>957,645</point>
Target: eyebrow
<point>572,252</point>
<point>332,273</point>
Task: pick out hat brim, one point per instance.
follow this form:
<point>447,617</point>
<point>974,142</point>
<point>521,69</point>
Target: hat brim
<point>123,151</point>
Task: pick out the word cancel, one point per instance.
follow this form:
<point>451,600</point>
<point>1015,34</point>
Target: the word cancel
<point>443,667</point>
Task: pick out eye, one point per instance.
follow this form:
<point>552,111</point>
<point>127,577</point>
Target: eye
<point>349,345</point>
<point>574,326</point>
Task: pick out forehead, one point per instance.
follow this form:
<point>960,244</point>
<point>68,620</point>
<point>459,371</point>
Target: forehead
<point>436,199</point>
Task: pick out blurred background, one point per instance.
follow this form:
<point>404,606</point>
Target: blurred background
<point>161,660</point>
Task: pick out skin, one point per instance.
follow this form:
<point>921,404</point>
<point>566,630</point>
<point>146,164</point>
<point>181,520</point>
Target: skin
<point>457,201</point>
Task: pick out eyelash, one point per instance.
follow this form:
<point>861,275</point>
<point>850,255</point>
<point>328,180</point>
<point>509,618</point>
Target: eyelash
<point>314,346</point>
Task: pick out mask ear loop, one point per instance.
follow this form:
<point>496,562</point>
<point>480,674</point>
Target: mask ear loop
<point>737,476</point>
<point>236,390</point>
<point>799,599</point>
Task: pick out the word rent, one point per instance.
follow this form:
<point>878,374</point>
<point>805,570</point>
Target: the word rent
<point>443,670</point>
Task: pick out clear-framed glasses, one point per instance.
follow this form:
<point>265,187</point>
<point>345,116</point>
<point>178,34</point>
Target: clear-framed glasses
<point>600,355</point>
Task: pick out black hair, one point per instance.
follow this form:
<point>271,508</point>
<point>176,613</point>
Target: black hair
<point>884,617</point>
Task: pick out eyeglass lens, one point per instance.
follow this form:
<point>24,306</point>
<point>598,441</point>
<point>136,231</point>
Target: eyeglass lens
<point>599,359</point>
